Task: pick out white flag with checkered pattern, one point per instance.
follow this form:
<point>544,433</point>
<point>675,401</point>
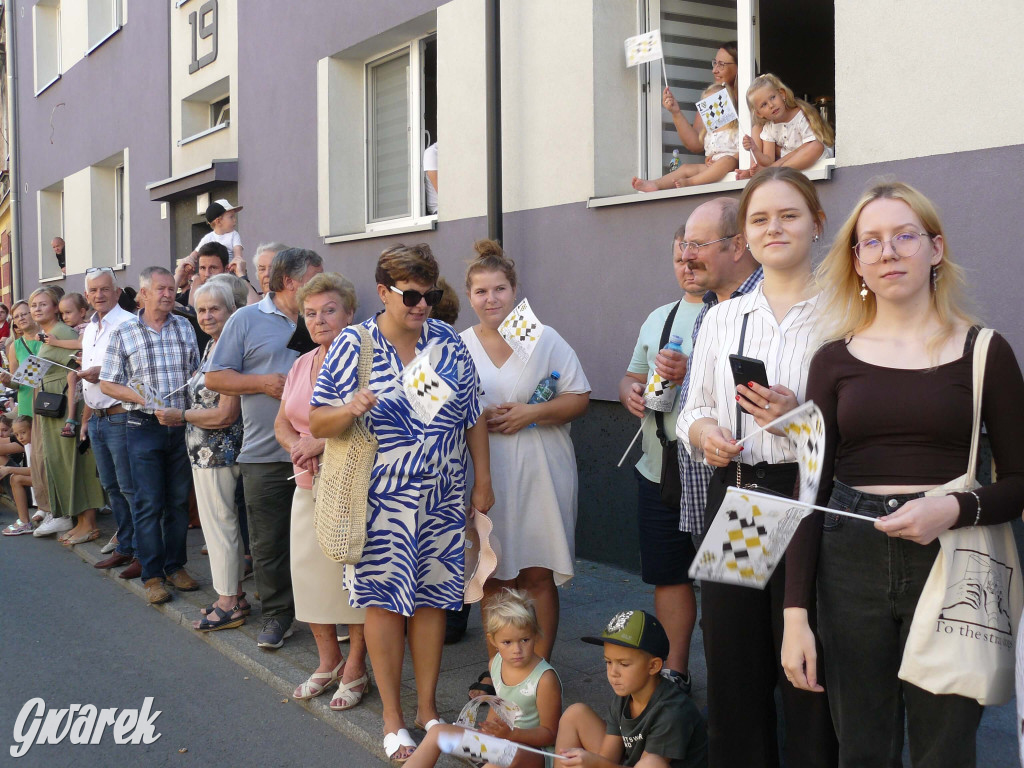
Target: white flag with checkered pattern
<point>427,392</point>
<point>521,330</point>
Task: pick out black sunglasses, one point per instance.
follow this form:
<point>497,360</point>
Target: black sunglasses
<point>411,298</point>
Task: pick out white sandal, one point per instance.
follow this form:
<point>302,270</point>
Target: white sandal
<point>346,698</point>
<point>395,741</point>
<point>317,683</point>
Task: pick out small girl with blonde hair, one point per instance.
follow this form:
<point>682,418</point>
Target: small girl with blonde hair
<point>791,131</point>
<point>721,151</point>
<point>74,311</point>
<point>521,678</point>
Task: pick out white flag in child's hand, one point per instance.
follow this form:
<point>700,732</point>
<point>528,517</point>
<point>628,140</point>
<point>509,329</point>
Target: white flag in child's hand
<point>426,391</point>
<point>642,48</point>
<point>747,538</point>
<point>660,394</point>
<point>31,371</point>
<point>522,330</point>
<point>717,110</point>
<point>473,745</point>
<point>805,426</point>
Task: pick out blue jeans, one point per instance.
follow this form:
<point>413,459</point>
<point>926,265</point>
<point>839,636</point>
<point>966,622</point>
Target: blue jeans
<point>161,474</point>
<point>110,447</point>
<point>868,587</point>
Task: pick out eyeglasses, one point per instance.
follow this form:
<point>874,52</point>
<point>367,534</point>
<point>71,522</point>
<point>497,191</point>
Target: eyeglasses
<point>90,270</point>
<point>412,298</point>
<point>903,244</point>
<point>684,245</point>
<point>716,64</point>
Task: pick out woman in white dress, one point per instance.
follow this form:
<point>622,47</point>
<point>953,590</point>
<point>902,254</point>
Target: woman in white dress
<point>533,469</point>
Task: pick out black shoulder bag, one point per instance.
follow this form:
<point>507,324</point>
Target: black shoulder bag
<point>671,483</point>
<point>51,404</point>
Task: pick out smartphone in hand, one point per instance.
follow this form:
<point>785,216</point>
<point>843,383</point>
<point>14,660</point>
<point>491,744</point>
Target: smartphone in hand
<point>746,369</point>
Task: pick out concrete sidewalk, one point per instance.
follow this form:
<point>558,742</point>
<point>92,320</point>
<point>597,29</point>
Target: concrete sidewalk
<point>587,602</point>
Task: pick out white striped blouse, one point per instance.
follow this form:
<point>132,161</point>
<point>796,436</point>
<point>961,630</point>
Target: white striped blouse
<point>785,349</point>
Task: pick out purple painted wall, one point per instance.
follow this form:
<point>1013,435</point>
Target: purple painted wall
<point>593,274</point>
<point>116,97</point>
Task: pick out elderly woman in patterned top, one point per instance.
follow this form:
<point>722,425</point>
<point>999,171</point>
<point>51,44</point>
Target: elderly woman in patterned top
<point>413,560</point>
<point>213,437</point>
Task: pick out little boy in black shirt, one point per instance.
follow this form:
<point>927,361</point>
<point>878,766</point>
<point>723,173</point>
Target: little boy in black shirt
<point>651,723</point>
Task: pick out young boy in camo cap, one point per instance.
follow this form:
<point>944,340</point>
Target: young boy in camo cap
<point>650,723</point>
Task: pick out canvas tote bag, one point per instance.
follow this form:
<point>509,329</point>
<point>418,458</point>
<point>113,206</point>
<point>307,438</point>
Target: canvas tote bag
<point>962,637</point>
<point>343,485</point>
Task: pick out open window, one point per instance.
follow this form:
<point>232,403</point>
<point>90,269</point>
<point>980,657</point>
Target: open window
<point>206,111</point>
<point>46,42</point>
<point>794,39</point>
<point>50,208</point>
<point>401,119</point>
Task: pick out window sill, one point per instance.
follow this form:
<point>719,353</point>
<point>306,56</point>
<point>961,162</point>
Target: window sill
<point>104,39</point>
<point>819,173</point>
<point>47,85</point>
<point>52,279</point>
<point>425,225</point>
<point>201,134</point>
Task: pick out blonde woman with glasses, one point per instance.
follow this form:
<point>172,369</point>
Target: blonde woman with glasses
<point>893,380</point>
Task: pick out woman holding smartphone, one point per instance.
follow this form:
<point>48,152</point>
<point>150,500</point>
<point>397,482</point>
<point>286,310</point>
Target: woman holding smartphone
<point>781,219</point>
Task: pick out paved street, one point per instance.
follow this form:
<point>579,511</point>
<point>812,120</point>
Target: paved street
<point>74,635</point>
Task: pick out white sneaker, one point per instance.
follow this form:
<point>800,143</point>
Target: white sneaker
<point>46,522</point>
<point>52,525</point>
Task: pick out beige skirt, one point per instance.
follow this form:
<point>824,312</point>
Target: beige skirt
<point>317,583</point>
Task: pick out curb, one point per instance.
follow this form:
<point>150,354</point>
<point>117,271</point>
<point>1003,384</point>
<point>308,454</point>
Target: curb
<point>361,724</point>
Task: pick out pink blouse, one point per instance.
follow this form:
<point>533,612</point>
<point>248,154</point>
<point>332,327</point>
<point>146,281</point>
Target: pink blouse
<point>298,389</point>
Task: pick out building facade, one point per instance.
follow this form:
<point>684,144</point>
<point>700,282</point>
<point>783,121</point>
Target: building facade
<point>132,117</point>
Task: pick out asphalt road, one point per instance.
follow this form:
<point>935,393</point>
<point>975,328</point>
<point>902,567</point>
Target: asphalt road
<point>72,636</point>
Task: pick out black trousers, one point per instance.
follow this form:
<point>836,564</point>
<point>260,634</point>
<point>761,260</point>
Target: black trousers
<point>742,647</point>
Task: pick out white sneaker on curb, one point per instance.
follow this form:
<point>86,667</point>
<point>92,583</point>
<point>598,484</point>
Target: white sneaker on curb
<point>52,525</point>
<point>39,532</point>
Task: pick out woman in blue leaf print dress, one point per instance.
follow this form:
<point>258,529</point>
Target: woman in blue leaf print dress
<point>412,564</point>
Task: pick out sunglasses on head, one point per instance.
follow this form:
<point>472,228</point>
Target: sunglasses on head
<point>412,298</point>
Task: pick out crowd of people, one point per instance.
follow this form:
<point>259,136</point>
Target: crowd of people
<point>785,131</point>
<point>205,385</point>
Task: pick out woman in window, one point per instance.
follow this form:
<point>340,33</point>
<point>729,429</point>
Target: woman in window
<point>723,72</point>
<point>781,219</point>
<point>894,383</point>
<point>412,565</point>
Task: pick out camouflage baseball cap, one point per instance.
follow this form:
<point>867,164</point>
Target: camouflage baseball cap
<point>634,629</point>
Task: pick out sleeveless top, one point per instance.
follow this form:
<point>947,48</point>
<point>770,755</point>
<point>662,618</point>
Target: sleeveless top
<point>524,694</point>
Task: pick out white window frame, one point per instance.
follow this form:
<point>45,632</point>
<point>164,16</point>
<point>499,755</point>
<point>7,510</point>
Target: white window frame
<point>53,4</point>
<point>649,108</point>
<point>417,215</point>
<point>120,191</point>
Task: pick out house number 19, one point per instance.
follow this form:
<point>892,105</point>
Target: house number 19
<point>203,28</point>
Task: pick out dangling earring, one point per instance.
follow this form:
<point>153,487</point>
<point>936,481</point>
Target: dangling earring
<point>863,290</point>
<point>935,279</point>
<point>815,237</point>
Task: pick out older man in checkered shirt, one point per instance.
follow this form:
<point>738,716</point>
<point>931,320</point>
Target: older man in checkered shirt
<point>155,350</point>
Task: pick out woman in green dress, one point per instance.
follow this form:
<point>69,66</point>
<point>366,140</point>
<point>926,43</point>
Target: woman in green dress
<point>72,483</point>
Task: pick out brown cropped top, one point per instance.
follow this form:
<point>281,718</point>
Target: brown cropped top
<point>895,426</point>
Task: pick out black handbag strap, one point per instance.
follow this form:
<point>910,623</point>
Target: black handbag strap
<point>739,410</point>
<point>659,417</point>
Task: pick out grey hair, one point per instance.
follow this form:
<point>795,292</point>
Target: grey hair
<point>221,290</point>
<point>238,287</point>
<point>293,263</point>
<point>146,276</point>
<point>275,247</point>
<point>96,272</point>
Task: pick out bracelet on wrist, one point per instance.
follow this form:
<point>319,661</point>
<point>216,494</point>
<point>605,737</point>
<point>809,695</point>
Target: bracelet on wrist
<point>977,500</point>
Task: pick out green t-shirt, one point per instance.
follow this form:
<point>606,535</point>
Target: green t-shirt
<point>670,727</point>
<point>648,345</point>
<point>25,393</point>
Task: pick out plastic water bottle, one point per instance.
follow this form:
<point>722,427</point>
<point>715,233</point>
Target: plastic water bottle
<point>675,344</point>
<point>545,391</point>
<point>673,164</point>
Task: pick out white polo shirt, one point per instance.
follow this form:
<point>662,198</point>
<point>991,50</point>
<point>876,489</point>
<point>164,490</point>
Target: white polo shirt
<point>95,339</point>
